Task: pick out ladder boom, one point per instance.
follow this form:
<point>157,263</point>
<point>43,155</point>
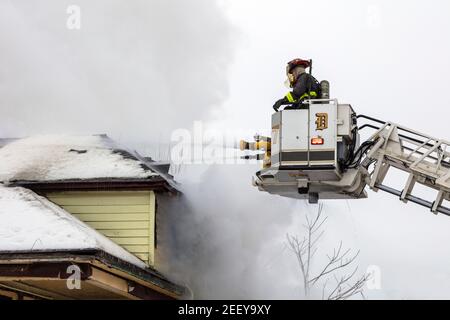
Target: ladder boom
<point>425,158</point>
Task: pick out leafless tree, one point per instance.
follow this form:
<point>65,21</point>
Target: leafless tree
<point>336,268</point>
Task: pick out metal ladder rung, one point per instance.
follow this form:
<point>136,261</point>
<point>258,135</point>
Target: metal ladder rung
<point>419,201</point>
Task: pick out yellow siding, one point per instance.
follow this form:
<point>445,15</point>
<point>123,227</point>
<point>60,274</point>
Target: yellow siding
<point>142,256</point>
<point>100,217</point>
<point>126,217</point>
<point>128,225</point>
<point>125,233</point>
<point>108,209</point>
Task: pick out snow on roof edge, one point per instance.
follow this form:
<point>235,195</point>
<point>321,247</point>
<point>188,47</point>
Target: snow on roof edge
<point>31,222</point>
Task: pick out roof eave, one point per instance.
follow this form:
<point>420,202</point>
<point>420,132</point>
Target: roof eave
<point>147,277</point>
<point>154,183</point>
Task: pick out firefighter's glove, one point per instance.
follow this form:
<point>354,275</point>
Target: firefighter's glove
<point>278,104</point>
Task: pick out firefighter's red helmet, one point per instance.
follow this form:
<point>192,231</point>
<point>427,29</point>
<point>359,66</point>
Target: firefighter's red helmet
<point>297,62</point>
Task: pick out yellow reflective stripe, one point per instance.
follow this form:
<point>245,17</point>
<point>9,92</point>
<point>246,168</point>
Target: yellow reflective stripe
<point>304,96</point>
<point>312,94</point>
<point>290,97</point>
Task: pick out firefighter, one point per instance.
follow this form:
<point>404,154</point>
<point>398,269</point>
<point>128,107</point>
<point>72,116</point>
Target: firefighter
<point>304,85</point>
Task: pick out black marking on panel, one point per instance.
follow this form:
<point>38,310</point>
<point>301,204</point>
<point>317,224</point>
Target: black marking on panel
<point>294,156</point>
<point>321,155</point>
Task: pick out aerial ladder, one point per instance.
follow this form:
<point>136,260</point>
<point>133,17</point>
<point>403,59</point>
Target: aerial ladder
<point>315,152</point>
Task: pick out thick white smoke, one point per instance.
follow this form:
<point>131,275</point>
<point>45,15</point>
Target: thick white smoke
<point>229,240</point>
<point>134,70</point>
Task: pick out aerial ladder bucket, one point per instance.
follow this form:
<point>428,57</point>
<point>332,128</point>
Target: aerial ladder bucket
<point>315,153</point>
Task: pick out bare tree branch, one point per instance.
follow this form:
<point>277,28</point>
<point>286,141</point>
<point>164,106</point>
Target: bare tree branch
<point>305,250</point>
<point>344,290</point>
<point>335,262</point>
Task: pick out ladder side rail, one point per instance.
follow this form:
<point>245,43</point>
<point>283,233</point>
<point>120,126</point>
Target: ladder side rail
<point>438,146</point>
<point>413,141</point>
<point>418,148</point>
<point>417,200</point>
<point>399,127</point>
<point>443,162</point>
<point>433,155</point>
<point>420,134</point>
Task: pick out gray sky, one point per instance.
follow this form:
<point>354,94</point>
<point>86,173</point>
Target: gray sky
<point>138,70</point>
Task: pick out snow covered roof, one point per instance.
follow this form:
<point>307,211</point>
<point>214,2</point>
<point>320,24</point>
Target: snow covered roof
<point>66,157</point>
<point>32,223</point>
